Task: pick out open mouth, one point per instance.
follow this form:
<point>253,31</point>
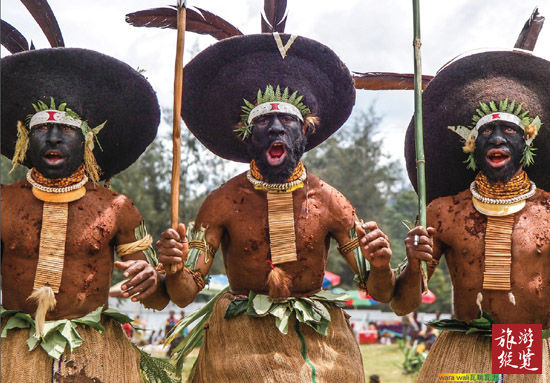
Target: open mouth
<point>53,157</point>
<point>276,154</point>
<point>498,157</point>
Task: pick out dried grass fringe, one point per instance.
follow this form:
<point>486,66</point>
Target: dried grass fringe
<point>21,146</point>
<point>92,168</point>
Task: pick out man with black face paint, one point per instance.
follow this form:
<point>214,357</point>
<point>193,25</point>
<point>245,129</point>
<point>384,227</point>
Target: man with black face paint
<point>275,222</point>
<point>495,235</point>
<point>60,228</point>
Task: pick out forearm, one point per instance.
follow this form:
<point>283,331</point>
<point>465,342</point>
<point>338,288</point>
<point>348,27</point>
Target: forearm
<point>160,298</point>
<point>381,283</point>
<point>181,287</point>
<point>407,295</point>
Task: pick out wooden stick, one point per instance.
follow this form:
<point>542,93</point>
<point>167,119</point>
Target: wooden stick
<point>176,134</point>
<point>418,132</point>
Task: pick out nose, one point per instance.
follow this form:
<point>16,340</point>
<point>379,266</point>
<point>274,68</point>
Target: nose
<point>53,136</point>
<point>276,128</point>
<point>497,137</point>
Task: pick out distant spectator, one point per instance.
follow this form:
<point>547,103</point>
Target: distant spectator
<point>139,335</point>
<point>170,323</point>
<point>151,337</point>
<point>416,326</point>
<point>158,339</point>
<point>374,379</point>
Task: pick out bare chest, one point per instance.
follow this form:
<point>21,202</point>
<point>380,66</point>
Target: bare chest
<point>246,242</point>
<point>90,228</point>
<point>530,252</point>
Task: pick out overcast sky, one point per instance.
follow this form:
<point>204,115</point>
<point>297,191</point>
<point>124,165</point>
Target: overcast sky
<point>368,35</point>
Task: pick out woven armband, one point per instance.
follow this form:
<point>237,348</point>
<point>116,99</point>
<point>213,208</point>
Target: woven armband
<point>350,246</point>
<point>204,247</point>
<point>363,267</point>
<point>143,243</point>
<point>197,277</point>
<point>134,247</point>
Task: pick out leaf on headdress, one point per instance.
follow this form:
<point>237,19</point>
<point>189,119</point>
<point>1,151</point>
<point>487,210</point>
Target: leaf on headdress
<point>42,105</point>
<point>248,104</point>
<point>528,157</point>
<point>12,39</point>
<point>292,97</point>
<point>471,162</point>
<point>524,114</point>
<point>44,16</point>
<point>511,107</point>
<point>518,109</point>
<point>278,93</point>
<point>485,108</point>
<point>503,106</point>
<point>284,97</point>
<point>462,131</point>
<point>493,106</point>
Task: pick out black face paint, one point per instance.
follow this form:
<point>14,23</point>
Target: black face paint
<point>499,148</point>
<point>56,151</point>
<point>276,144</point>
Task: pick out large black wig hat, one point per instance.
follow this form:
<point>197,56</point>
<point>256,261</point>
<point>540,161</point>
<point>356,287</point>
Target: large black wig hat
<point>97,87</point>
<point>220,77</point>
<point>451,99</point>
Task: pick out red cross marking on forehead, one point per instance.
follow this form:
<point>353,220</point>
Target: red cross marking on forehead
<point>51,116</point>
<point>495,116</point>
<point>275,106</point>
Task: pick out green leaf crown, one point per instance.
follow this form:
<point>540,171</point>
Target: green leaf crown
<point>529,125</point>
<point>269,95</point>
<point>62,107</point>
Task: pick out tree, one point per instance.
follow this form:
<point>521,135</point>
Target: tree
<point>353,162</point>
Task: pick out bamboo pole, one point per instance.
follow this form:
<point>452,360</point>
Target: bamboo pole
<point>176,122</point>
<point>418,132</point>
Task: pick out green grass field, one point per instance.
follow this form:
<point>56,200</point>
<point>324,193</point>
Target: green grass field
<point>385,361</point>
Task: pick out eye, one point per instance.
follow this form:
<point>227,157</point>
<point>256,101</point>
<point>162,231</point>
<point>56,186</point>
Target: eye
<point>261,121</point>
<point>510,131</point>
<point>486,131</point>
<point>67,129</point>
<point>286,119</point>
<point>41,128</point>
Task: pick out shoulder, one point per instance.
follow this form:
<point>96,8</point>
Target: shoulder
<point>221,200</point>
<point>116,200</point>
<point>540,201</point>
<point>124,209</point>
<point>340,209</point>
<point>18,189</point>
<point>228,190</point>
<point>444,205</point>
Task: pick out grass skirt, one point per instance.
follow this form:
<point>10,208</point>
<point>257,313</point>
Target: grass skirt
<point>106,357</point>
<point>248,349</point>
<point>455,352</point>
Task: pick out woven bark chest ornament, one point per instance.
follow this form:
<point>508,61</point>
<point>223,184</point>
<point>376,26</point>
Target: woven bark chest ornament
<point>280,213</point>
<point>499,202</point>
